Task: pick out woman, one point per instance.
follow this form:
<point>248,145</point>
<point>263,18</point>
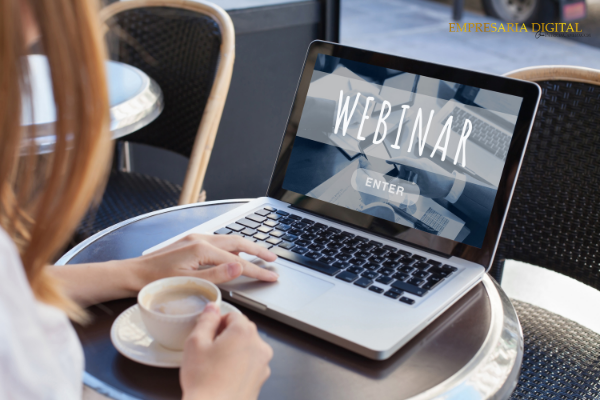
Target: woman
<point>41,203</point>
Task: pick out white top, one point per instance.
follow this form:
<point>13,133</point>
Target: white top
<point>40,355</point>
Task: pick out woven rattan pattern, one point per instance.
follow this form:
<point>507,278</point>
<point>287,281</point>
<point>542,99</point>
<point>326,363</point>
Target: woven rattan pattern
<point>554,217</point>
<point>127,195</point>
<point>179,49</point>
<point>561,360</point>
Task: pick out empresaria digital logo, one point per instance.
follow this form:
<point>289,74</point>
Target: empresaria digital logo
<point>550,29</point>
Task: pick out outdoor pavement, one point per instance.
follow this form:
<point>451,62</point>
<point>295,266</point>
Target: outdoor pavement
<point>419,29</point>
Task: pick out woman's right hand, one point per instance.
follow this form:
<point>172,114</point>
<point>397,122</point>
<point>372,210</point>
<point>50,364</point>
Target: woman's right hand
<point>224,358</point>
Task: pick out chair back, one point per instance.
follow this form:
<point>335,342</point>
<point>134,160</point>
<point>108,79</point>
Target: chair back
<point>554,216</point>
<point>187,47</point>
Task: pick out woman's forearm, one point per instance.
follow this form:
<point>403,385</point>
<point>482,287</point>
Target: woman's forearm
<point>89,284</point>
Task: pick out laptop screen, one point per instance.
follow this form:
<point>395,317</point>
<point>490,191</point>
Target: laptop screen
<point>417,151</point>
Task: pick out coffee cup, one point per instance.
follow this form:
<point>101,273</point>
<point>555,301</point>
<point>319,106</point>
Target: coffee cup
<point>169,307</point>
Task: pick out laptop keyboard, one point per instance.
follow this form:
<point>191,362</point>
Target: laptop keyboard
<point>364,263</point>
<point>484,134</point>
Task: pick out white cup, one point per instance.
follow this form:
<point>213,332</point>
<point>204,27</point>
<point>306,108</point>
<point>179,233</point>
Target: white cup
<point>171,331</point>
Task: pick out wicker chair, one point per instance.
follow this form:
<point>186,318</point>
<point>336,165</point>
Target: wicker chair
<point>188,48</point>
<point>555,223</point>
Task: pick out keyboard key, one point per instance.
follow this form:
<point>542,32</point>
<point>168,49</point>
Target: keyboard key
<point>361,238</point>
<point>237,234</point>
<point>407,300</point>
<point>321,240</point>
<point>421,274</point>
<point>274,216</point>
<point>223,231</point>
<point>449,268</point>
<point>359,262</point>
<point>420,258</point>
<point>264,229</point>
<point>375,243</point>
<point>336,246</point>
<point>256,218</point>
<point>263,212</point>
<point>392,294</point>
<point>376,289</point>
<point>400,276</point>
<point>380,252</point>
<point>305,261</point>
<point>422,266</point>
<point>364,246</point>
<point>416,281</point>
<point>377,259</point>
<point>314,255</point>
<point>363,282</point>
<point>300,250</point>
<point>407,270</point>
<point>343,256</point>
<point>295,217</point>
<point>287,221</point>
<point>277,233</point>
<point>390,248</point>
<point>355,269</point>
<point>261,236</point>
<point>295,232</point>
<point>281,212</point>
<point>283,227</point>
<point>249,232</point>
<point>403,253</point>
<point>391,264</point>
<point>386,271</point>
<point>286,245</point>
<point>272,224</point>
<point>316,247</point>
<point>289,238</point>
<point>407,287</point>
<point>348,250</point>
<point>408,261</point>
<point>369,274</point>
<point>384,279</point>
<point>320,225</point>
<point>342,264</point>
<point>329,252</point>
<point>302,242</point>
<point>347,276</point>
<point>434,263</point>
<point>439,271</point>
<point>394,257</point>
<point>313,229</point>
<point>300,225</point>
<point>334,230</point>
<point>328,260</point>
<point>371,267</point>
<point>347,234</point>
<point>269,208</point>
<point>308,221</point>
<point>429,285</point>
<point>274,240</point>
<point>235,227</point>
<point>309,236</point>
<point>362,254</point>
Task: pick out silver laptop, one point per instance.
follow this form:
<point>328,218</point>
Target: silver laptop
<point>372,248</point>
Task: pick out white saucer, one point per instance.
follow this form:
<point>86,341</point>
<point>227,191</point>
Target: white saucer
<point>130,337</point>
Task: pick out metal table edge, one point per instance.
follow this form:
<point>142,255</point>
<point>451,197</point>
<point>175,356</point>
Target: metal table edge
<point>75,250</point>
<point>491,374</point>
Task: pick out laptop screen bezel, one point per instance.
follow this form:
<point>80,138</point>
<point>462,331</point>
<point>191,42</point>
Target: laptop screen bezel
<point>530,92</point>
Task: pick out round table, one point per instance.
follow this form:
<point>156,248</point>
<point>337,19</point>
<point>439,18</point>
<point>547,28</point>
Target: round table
<point>473,351</point>
<point>135,101</point>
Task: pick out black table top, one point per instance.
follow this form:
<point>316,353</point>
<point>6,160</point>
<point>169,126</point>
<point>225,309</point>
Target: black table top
<point>303,367</point>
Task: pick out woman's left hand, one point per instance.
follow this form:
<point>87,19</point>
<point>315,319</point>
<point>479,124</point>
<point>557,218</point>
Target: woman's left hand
<point>214,258</point>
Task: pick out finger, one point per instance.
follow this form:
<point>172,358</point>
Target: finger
<point>215,256</point>
<point>221,273</point>
<point>237,244</point>
<point>207,325</point>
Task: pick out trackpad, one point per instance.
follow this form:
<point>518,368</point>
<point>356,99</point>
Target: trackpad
<point>292,291</point>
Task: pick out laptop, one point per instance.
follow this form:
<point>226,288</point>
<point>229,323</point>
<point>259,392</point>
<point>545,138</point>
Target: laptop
<point>361,264</point>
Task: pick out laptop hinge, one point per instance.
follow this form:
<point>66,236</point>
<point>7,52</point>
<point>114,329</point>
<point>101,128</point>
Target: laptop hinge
<point>393,239</point>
